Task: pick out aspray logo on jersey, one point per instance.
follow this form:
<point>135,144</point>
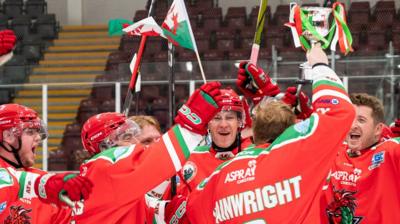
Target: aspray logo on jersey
<point>377,159</point>
<point>347,178</point>
<point>189,171</point>
<point>257,200</point>
<point>5,178</point>
<point>333,101</point>
<point>3,206</point>
<point>243,175</point>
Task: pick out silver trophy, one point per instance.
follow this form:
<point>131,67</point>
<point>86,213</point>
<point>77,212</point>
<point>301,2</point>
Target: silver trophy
<point>318,21</point>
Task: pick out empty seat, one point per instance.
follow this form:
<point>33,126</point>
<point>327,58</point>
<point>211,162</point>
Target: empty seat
<point>139,15</point>
<point>32,48</point>
<point>239,54</point>
<point>13,8</point>
<point>236,17</point>
<point>226,39</point>
<point>35,8</point>
<point>3,21</point>
<point>87,109</point>
<point>46,26</point>
<point>212,18</point>
<point>254,15</point>
<point>21,25</point>
<point>129,43</point>
<point>15,69</point>
<point>281,15</point>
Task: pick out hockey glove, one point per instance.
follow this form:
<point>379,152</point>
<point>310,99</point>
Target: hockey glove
<point>201,107</point>
<point>254,83</point>
<point>303,109</point>
<point>396,128</point>
<point>50,187</point>
<point>7,41</point>
<point>247,120</point>
<point>175,211</point>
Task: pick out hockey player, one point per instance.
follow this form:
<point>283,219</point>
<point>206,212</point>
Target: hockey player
<point>21,131</point>
<point>224,132</point>
<point>150,129</point>
<point>122,175</point>
<point>365,175</point>
<point>280,180</point>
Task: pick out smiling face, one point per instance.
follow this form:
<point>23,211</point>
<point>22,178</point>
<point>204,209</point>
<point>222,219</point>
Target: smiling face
<point>365,131</point>
<point>224,128</point>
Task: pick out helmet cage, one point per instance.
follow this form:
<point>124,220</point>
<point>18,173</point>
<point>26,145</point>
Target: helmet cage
<point>127,132</point>
<point>30,127</point>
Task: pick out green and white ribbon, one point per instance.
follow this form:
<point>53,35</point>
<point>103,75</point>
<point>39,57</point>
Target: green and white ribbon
<point>299,21</point>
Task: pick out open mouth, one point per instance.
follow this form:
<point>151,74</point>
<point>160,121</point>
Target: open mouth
<point>33,149</point>
<point>355,136</point>
<point>224,133</point>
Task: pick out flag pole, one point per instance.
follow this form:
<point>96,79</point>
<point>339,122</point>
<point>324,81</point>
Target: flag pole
<point>132,83</point>
<point>201,66</point>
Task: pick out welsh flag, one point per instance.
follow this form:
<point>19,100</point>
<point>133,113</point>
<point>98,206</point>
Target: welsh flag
<point>176,27</point>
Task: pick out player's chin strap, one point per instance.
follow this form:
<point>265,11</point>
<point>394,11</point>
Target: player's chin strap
<point>235,144</point>
<point>13,151</point>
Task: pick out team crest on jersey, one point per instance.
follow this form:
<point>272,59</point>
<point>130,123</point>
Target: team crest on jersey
<point>5,178</point>
<point>341,209</point>
<point>18,215</point>
<point>377,159</point>
<point>189,171</point>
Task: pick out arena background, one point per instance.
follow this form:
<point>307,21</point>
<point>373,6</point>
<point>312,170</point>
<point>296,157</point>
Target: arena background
<point>67,67</point>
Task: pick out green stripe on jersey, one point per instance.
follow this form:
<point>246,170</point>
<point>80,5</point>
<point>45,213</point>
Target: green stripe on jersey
<point>22,183</point>
<point>327,82</point>
<point>397,140</point>
<point>181,141</point>
<point>203,148</point>
<point>113,154</point>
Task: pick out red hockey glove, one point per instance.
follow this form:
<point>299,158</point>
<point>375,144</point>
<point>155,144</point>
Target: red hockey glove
<point>49,187</point>
<point>247,120</point>
<point>7,41</point>
<point>305,110</point>
<point>254,83</point>
<point>396,128</point>
<point>175,211</point>
<point>201,107</point>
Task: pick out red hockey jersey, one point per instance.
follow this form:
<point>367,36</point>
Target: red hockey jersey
<point>202,162</point>
<point>123,175</point>
<point>282,182</point>
<point>18,201</point>
<point>369,183</point>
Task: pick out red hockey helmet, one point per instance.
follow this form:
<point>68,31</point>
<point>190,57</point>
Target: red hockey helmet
<point>231,101</point>
<point>17,118</point>
<point>101,131</point>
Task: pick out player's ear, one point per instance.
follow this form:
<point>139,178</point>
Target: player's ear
<point>8,136</point>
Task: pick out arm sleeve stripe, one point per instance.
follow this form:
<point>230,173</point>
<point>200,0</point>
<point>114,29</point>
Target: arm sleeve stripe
<point>21,180</point>
<point>181,141</point>
<point>171,151</point>
<point>324,82</point>
<point>328,92</point>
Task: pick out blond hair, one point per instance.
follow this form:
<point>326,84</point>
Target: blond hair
<point>143,120</point>
<point>271,119</point>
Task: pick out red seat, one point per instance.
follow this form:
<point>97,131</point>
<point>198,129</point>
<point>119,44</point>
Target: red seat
<point>212,18</point>
<point>236,17</point>
<point>254,15</point>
